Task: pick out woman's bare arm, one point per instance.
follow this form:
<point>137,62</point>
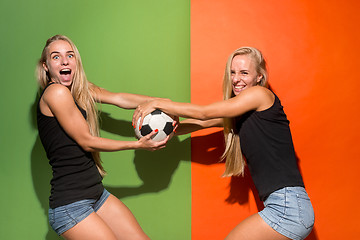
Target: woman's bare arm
<point>122,100</point>
<point>59,101</point>
<point>191,125</point>
<point>255,98</point>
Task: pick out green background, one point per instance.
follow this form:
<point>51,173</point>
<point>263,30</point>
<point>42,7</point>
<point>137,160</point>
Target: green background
<point>126,46</point>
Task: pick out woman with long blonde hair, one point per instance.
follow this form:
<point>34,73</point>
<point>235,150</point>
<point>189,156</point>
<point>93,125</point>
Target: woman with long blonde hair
<point>256,129</point>
<point>80,207</point>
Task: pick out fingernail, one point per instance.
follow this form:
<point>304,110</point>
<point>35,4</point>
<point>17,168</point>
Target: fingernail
<point>156,130</point>
<point>139,128</point>
<point>173,124</point>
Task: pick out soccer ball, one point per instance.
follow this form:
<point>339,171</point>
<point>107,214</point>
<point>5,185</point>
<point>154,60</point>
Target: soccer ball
<point>155,120</point>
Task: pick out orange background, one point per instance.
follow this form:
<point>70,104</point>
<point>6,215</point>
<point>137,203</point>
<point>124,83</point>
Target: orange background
<point>312,50</point>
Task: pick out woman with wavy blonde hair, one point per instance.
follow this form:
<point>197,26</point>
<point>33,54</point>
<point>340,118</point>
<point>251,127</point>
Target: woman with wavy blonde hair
<point>235,163</point>
<point>253,115</point>
<point>79,89</point>
<point>80,207</point>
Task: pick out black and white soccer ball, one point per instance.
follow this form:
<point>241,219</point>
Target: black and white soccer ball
<point>155,120</point>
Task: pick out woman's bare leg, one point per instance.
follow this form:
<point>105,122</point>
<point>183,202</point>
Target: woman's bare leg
<point>254,228</point>
<point>120,219</point>
<point>91,228</point>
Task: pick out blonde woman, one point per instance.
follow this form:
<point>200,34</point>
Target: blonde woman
<point>255,127</point>
<point>80,207</point>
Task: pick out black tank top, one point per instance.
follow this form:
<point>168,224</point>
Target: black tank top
<point>75,175</point>
<point>267,145</point>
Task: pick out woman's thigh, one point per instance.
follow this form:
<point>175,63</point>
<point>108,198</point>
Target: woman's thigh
<point>252,228</point>
<point>120,219</point>
<point>92,227</point>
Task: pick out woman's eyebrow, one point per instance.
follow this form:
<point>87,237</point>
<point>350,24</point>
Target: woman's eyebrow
<point>59,52</point>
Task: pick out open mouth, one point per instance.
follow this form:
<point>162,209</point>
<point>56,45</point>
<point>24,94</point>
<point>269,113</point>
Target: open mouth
<point>65,72</point>
<point>239,87</point>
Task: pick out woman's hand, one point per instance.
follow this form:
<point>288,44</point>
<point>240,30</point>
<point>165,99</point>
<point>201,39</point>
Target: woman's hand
<point>142,110</point>
<point>176,122</point>
<point>147,143</point>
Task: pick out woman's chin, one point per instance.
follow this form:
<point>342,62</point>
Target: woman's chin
<point>237,91</point>
<point>66,83</point>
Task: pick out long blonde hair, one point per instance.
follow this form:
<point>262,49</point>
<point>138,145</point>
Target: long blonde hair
<point>79,89</point>
<point>235,162</point>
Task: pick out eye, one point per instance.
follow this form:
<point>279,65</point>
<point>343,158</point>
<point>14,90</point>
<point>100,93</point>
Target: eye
<point>71,56</point>
<point>56,57</point>
<point>244,73</point>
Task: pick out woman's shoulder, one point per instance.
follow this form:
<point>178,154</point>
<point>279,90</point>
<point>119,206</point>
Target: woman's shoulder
<point>259,92</point>
<point>263,95</point>
<point>57,90</point>
<point>259,89</point>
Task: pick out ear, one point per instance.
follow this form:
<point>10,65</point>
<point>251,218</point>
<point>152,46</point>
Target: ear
<point>259,77</point>
<point>45,67</point>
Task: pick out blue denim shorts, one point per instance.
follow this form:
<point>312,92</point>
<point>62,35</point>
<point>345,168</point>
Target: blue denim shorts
<point>289,212</point>
<point>65,217</point>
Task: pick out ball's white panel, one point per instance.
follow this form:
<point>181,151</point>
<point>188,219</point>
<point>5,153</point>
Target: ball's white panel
<point>147,118</point>
<point>159,136</point>
<point>157,122</point>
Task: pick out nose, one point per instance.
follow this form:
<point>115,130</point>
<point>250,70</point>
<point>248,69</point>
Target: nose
<point>65,61</point>
<point>236,77</point>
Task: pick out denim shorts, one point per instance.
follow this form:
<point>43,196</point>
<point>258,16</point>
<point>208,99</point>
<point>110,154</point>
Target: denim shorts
<point>289,212</point>
<point>65,217</point>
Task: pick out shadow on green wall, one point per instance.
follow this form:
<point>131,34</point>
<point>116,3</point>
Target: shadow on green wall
<point>41,176</point>
<point>155,169</point>
<point>41,173</point>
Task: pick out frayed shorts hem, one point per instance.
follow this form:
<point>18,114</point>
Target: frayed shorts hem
<point>279,229</point>
<point>66,217</point>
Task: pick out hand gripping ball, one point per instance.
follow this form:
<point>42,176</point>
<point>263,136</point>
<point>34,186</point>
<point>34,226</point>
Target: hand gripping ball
<point>155,120</point>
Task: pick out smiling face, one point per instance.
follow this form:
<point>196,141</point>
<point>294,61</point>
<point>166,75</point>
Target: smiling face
<point>243,73</point>
<point>60,62</point>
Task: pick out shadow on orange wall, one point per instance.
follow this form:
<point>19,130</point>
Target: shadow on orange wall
<point>207,150</point>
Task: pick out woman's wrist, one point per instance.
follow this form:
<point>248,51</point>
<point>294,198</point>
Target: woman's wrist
<point>136,145</point>
<point>157,104</point>
<point>161,104</point>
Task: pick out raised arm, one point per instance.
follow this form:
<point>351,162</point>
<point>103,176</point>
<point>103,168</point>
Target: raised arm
<point>122,100</point>
<point>58,101</point>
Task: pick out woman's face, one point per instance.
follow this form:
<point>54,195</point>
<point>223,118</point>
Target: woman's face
<point>243,73</point>
<point>60,62</point>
